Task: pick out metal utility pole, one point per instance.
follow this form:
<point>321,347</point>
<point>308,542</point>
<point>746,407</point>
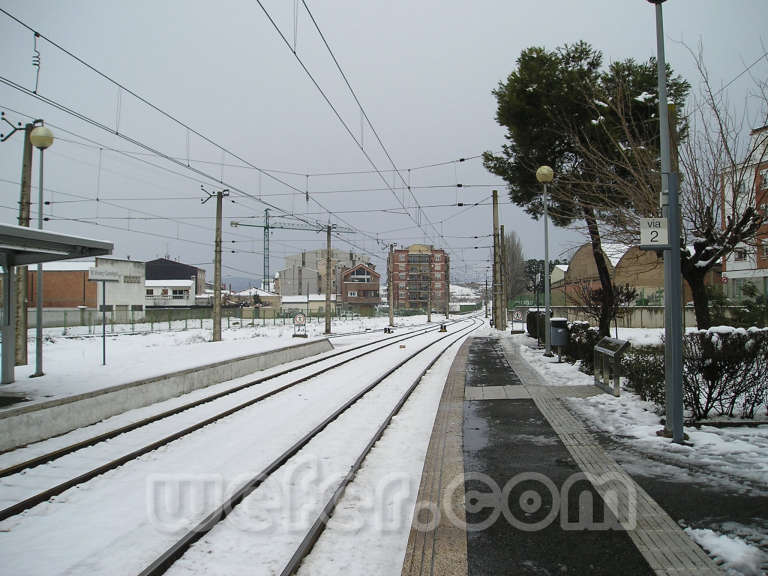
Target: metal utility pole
<point>673,327</point>
<point>327,278</point>
<point>283,225</point>
<point>496,280</point>
<point>391,285</point>
<point>41,138</point>
<point>486,293</point>
<point>220,194</point>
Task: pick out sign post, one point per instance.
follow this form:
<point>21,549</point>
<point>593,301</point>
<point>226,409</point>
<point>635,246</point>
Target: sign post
<point>300,326</point>
<point>103,276</point>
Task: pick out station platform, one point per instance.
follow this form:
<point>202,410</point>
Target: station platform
<point>513,483</point>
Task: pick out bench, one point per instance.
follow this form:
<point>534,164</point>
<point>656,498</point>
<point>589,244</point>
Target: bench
<point>607,355</point>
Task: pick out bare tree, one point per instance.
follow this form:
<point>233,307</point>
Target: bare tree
<point>589,300</point>
<point>716,155</point>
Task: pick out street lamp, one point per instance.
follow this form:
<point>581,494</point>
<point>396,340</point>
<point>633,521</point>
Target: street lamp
<point>41,138</point>
<point>673,325</point>
<point>544,175</point>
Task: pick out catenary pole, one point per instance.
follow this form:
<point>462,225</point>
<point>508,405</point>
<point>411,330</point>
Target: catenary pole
<point>391,285</point>
<point>22,271</point>
<point>495,289</point>
<point>328,278</point>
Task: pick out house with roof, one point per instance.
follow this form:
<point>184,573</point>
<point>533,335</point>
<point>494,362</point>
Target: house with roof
<point>359,287</point>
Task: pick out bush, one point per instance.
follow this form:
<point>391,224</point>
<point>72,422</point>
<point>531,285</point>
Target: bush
<point>581,345</point>
<point>724,371</point>
<point>531,325</point>
<point>643,368</point>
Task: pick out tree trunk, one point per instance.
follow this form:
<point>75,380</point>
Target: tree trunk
<point>602,271</point>
<point>700,298</point>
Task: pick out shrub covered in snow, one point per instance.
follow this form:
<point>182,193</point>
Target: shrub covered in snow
<point>643,367</point>
<point>725,371</point>
<point>581,345</point>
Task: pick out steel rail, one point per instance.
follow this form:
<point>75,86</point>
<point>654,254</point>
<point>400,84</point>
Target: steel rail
<point>53,455</point>
<point>93,473</point>
<point>163,562</point>
<point>311,538</point>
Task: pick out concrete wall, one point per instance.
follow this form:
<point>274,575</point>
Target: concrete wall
<point>27,424</point>
<point>638,317</point>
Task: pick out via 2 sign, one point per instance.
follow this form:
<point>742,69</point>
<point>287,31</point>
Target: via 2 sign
<point>653,233</point>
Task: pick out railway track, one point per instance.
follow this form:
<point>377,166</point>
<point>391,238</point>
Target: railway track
<point>328,363</point>
<point>167,559</point>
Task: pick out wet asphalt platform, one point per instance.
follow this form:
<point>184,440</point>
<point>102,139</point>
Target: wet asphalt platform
<point>539,494</point>
<point>509,444</point>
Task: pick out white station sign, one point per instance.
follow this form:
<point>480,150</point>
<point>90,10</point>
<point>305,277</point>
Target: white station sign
<point>654,232</point>
<point>94,274</point>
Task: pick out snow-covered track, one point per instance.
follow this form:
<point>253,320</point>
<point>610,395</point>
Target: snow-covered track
<point>45,495</point>
<point>163,562</point>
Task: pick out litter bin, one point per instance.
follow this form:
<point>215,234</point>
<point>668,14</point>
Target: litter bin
<point>558,332</point>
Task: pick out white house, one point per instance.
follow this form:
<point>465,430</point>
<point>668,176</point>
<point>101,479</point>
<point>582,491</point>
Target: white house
<point>167,293</point>
<point>749,262</point>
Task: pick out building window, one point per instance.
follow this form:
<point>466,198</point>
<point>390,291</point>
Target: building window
<point>765,248</point>
<point>764,178</point>
<point>179,294</point>
<point>352,294</point>
<point>764,208</point>
<point>150,292</point>
<point>438,275</point>
<point>402,286</point>
<point>438,266</point>
<point>164,292</point>
<point>740,254</point>
<point>438,258</point>
<point>401,257</point>
<point>132,279</point>
<point>401,266</point>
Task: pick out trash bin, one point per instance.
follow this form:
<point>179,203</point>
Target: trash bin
<point>558,332</point>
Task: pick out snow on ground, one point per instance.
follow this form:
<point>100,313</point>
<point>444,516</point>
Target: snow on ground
<point>732,453</point>
<point>98,543</point>
<point>732,459</point>
<point>463,293</point>
<point>73,364</point>
<point>738,556</point>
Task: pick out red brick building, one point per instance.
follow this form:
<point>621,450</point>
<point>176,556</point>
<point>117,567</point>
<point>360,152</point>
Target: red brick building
<point>359,287</point>
<point>65,285</point>
<point>415,272</point>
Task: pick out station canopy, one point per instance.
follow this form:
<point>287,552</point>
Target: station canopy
<point>21,246</point>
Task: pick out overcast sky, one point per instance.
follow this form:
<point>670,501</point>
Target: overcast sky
<point>423,71</point>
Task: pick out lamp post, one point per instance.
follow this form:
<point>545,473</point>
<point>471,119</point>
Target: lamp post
<point>41,138</point>
<point>673,326</point>
<point>544,175</point>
